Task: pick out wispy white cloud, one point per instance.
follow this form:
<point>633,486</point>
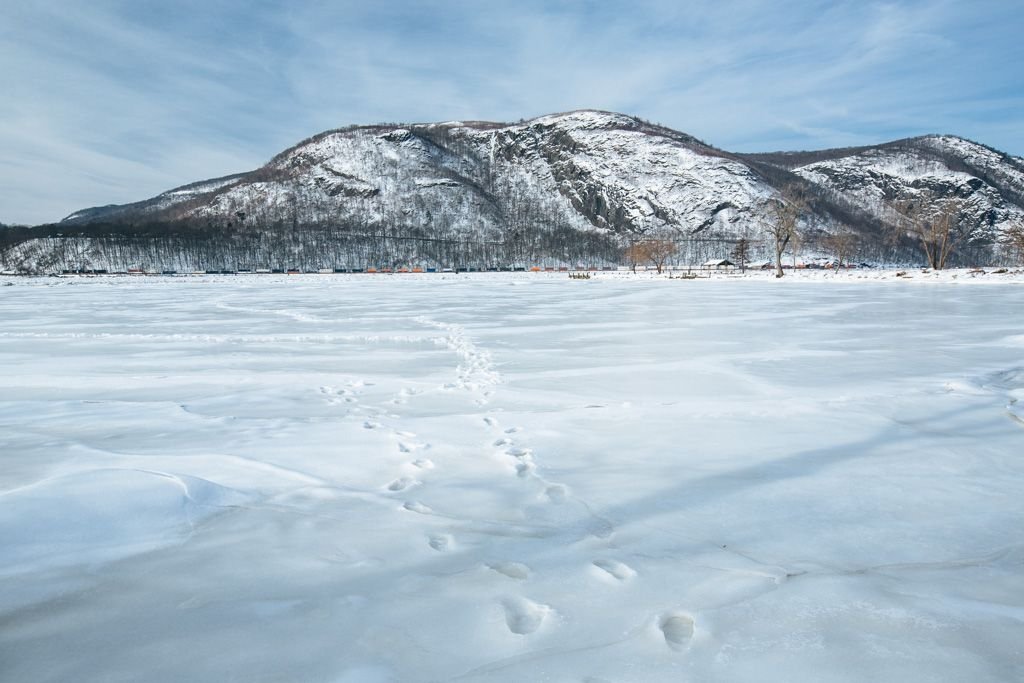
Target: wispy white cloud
<point>116,100</point>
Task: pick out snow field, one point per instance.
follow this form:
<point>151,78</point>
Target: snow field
<point>510,478</point>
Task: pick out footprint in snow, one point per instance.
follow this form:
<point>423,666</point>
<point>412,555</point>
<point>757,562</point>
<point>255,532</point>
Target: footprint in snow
<point>615,569</point>
<point>423,464</point>
<point>513,570</point>
<point>420,508</point>
<point>370,424</point>
<point>441,542</point>
<point>402,483</point>
<point>490,422</point>
<point>524,466</point>
<point>523,616</point>
<point>556,493</point>
<point>677,628</point>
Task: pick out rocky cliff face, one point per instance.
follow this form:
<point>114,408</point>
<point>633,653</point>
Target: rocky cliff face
<point>925,169</point>
<point>564,187</point>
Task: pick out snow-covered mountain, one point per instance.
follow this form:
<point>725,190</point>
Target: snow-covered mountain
<point>564,187</point>
<point>929,168</point>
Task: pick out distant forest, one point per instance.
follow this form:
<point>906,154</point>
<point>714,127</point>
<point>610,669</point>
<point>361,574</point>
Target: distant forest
<point>184,246</point>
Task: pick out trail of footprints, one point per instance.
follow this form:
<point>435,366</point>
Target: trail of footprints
<point>522,616</point>
<point>405,439</point>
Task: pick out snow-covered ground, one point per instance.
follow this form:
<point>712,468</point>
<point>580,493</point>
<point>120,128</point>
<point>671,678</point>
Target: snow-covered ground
<point>512,478</point>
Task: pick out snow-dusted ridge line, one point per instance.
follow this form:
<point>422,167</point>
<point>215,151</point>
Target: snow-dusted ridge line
<point>585,182</point>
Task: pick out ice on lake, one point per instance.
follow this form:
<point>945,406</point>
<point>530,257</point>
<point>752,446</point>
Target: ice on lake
<point>510,479</point>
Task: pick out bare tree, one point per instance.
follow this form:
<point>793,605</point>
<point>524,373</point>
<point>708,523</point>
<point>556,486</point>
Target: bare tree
<point>785,212</point>
<point>1013,238</point>
<point>939,227</point>
<point>659,251</point>
<point>842,245</point>
<point>635,254</point>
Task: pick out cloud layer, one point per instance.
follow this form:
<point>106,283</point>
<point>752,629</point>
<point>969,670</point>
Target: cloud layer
<point>116,100</point>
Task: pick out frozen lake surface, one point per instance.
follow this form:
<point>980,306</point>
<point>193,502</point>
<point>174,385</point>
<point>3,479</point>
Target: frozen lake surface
<point>506,478</point>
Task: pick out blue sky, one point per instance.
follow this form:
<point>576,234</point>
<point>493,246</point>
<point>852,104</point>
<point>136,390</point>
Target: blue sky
<point>109,101</point>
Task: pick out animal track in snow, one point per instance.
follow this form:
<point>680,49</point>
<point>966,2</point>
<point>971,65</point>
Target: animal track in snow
<point>490,421</point>
<point>677,629</point>
<point>370,424</point>
<point>423,464</point>
<point>503,442</point>
<point>513,430</point>
<point>513,570</point>
<point>523,616</point>
<point>616,569</point>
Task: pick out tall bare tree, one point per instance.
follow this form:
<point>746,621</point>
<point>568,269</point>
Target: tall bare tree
<point>659,251</point>
<point>784,213</point>
<point>938,226</point>
<point>635,254</point>
<point>1013,238</point>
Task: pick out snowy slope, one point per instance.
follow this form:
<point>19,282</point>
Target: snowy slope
<point>571,187</point>
<point>928,168</point>
<point>583,169</point>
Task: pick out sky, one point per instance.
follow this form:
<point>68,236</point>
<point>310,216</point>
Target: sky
<point>112,101</point>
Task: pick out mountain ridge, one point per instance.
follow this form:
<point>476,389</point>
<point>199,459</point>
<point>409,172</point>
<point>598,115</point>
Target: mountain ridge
<point>563,186</point>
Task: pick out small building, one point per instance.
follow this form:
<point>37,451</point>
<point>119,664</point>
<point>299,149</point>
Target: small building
<point>718,264</point>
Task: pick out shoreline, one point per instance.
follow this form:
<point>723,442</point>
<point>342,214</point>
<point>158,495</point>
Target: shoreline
<point>994,275</point>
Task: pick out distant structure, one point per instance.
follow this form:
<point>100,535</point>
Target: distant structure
<point>718,264</point>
